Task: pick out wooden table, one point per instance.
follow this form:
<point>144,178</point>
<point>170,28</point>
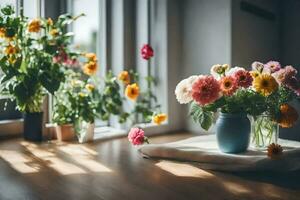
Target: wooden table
<point>113,169</point>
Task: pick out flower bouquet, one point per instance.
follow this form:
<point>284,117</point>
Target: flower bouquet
<point>233,93</point>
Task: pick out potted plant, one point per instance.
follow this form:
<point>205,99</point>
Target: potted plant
<point>235,93</point>
<point>29,70</point>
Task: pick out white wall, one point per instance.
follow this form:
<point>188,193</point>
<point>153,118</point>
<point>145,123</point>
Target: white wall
<point>206,40</point>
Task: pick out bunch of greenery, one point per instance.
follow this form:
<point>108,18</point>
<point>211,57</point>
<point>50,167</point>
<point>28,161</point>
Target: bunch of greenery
<point>29,46</point>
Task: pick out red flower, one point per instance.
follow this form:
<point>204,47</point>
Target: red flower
<point>147,52</point>
<point>244,78</point>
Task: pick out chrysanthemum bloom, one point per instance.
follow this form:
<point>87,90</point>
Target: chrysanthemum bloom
<point>265,84</point>
<point>90,68</point>
<point>137,136</point>
<point>91,57</point>
<point>205,90</point>
<point>274,150</point>
<point>228,85</point>
<point>10,50</point>
<point>159,118</point>
<point>132,91</point>
<point>124,77</point>
<point>54,32</point>
<point>183,90</point>
<point>34,26</point>
<point>287,77</point>
<point>274,66</point>
<point>50,21</point>
<point>147,52</point>
<point>288,116</point>
<point>90,87</point>
<point>2,32</point>
<point>257,66</point>
<point>254,74</point>
<point>243,78</point>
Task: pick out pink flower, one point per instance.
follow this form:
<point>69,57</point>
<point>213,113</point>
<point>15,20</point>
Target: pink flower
<point>205,90</point>
<point>274,66</point>
<point>243,78</point>
<point>147,52</point>
<point>283,75</point>
<point>136,136</point>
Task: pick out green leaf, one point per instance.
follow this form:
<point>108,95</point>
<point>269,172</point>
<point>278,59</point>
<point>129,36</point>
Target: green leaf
<point>204,118</point>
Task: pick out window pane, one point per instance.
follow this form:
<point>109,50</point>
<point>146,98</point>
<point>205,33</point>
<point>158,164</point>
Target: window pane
<point>7,2</point>
<point>87,28</point>
<point>31,8</point>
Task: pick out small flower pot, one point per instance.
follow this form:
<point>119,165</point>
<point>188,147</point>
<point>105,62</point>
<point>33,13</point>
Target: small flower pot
<point>85,131</point>
<point>65,132</point>
<point>233,132</point>
<point>33,126</point>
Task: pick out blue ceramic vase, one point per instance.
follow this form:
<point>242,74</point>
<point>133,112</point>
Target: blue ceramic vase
<point>233,132</point>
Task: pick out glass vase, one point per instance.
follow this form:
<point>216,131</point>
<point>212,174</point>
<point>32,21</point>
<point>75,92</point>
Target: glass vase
<point>264,132</point>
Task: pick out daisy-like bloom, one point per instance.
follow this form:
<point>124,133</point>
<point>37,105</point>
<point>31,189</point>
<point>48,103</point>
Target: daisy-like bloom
<point>228,85</point>
<point>90,68</point>
<point>243,78</point>
<point>54,32</point>
<point>159,118</point>
<point>183,90</point>
<point>137,136</point>
<point>91,57</point>
<point>147,52</point>
<point>132,91</point>
<point>50,21</point>
<point>89,87</point>
<point>233,70</point>
<point>265,84</point>
<point>205,90</point>
<point>257,66</point>
<point>254,74</point>
<point>274,150</point>
<point>34,26</point>
<point>124,77</point>
<point>288,116</point>
<point>10,50</point>
<point>2,32</point>
<point>274,66</point>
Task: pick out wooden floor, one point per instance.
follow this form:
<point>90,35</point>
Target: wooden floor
<point>113,169</point>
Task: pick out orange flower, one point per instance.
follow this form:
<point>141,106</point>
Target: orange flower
<point>49,21</point>
<point>288,116</point>
<point>274,150</point>
<point>90,87</point>
<point>132,91</point>
<point>10,50</point>
<point>90,68</point>
<point>34,26</point>
<point>228,85</point>
<point>2,32</point>
<point>124,77</point>
<point>91,57</point>
<point>159,118</point>
<point>54,32</point>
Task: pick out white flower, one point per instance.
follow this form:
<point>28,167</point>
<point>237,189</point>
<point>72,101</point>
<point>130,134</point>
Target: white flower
<point>183,90</point>
<point>233,71</point>
<point>257,66</point>
<point>215,71</point>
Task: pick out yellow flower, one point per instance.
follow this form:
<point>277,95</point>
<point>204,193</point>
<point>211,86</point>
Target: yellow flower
<point>49,21</point>
<point>254,74</point>
<point>81,94</point>
<point>159,118</point>
<point>11,59</point>
<point>124,77</point>
<point>54,32</point>
<point>2,32</point>
<point>265,84</point>
<point>90,87</point>
<point>90,68</point>
<point>10,50</point>
<point>132,91</point>
<point>34,26</point>
<point>274,150</point>
<point>288,116</point>
<point>91,57</point>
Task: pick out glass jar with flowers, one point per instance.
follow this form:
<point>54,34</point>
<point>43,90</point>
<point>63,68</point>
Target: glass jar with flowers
<point>29,73</point>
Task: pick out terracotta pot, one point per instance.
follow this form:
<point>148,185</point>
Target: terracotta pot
<point>65,132</point>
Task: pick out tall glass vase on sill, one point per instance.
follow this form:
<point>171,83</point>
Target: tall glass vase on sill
<point>264,132</point>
